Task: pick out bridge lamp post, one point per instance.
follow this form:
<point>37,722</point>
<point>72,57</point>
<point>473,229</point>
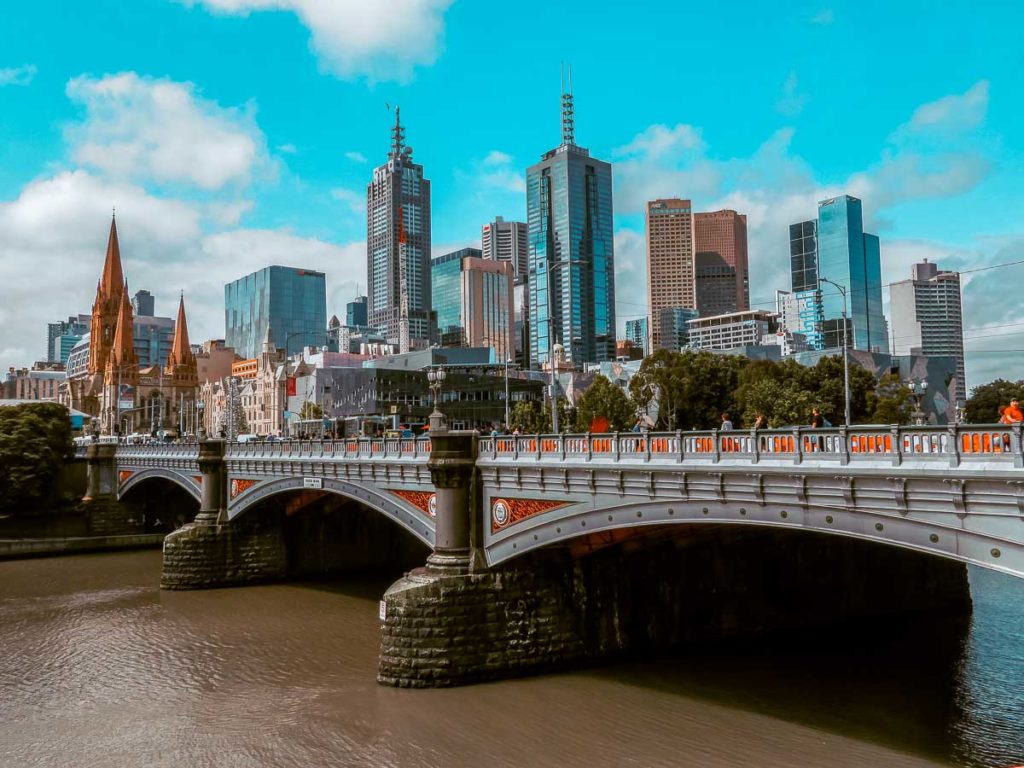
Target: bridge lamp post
<point>918,389</point>
<point>435,379</point>
<point>846,356</point>
<point>507,363</point>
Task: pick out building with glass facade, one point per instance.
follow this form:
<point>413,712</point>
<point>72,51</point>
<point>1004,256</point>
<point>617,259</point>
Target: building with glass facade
<point>143,303</point>
<point>571,280</point>
<point>506,241</point>
<point>74,327</point>
<point>673,322</point>
<point>355,312</point>
<point>291,302</point>
<point>398,247</point>
<point>721,279</point>
<point>636,334</point>
<point>474,300</point>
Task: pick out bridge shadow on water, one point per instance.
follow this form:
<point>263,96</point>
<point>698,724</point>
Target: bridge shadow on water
<point>891,681</point>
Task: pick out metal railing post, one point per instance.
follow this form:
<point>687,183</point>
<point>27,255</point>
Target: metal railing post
<point>590,447</point>
<point>618,448</point>
<point>798,446</point>
<point>897,445</point>
<point>714,441</point>
<point>844,447</point>
<point>1017,444</point>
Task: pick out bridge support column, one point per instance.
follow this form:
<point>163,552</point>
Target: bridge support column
<point>452,464</point>
<point>106,516</point>
<point>212,552</point>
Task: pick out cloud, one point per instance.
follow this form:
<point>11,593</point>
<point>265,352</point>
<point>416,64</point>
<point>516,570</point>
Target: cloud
<point>146,129</point>
<point>630,275</point>
<point>17,75</point>
<point>287,149</point>
<point>955,113</point>
<point>498,171</point>
<point>792,102</point>
<point>356,157</point>
<point>663,162</point>
<point>381,40</point>
<point>355,201</point>
<point>823,18</point>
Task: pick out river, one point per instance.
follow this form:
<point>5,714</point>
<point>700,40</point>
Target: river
<point>98,667</point>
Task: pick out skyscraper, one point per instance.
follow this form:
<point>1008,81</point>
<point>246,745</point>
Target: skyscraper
<point>355,312</point>
<point>571,269</point>
<point>63,335</point>
<point>398,247</point>
<point>143,304</point>
<point>291,302</point>
<point>720,262</point>
<point>670,263</point>
<point>506,241</point>
<point>636,334</point>
<point>474,300</point>
<point>927,318</point>
<point>446,292</point>
<point>850,257</point>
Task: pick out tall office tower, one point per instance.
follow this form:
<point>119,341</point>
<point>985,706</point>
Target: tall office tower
<point>850,257</point>
<point>291,302</point>
<point>63,335</point>
<point>806,298</point>
<point>673,322</point>
<point>474,300</point>
<point>571,276</point>
<point>143,304</point>
<point>720,262</point>
<point>355,312</point>
<point>636,334</point>
<point>507,241</point>
<point>670,267</point>
<point>927,317</point>
<point>398,247</point>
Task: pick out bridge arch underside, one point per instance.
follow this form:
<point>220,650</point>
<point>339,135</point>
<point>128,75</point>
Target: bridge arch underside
<point>992,540</point>
<point>161,499</point>
<point>328,532</point>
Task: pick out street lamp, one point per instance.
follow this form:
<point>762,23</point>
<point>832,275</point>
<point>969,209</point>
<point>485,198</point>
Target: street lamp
<point>846,357</point>
<point>436,377</point>
<point>551,337</point>
<point>507,363</point>
<point>918,389</point>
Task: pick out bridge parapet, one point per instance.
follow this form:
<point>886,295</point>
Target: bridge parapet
<point>953,446</point>
<point>389,449</point>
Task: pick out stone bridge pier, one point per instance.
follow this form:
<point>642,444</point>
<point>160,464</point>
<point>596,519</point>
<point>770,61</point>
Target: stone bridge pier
<point>107,517</point>
<point>457,621</point>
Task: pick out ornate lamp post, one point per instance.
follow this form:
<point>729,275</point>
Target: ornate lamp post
<point>436,377</point>
<point>918,389</point>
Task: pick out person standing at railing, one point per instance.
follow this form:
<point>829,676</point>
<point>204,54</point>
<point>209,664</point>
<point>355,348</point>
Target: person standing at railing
<point>726,423</point>
<point>1012,413</point>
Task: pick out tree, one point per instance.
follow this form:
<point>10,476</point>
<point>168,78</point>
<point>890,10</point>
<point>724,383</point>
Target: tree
<point>688,389</point>
<point>983,405</point>
<point>35,442</point>
<point>532,417</point>
<point>311,410</point>
<point>892,401</point>
<point>604,402</point>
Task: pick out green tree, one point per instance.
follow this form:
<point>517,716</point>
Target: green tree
<point>690,389</point>
<point>604,400</point>
<point>983,405</point>
<point>532,417</point>
<point>311,410</point>
<point>35,441</point>
<point>892,401</point>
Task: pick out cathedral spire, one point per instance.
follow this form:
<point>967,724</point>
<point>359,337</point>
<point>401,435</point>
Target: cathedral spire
<point>113,276</point>
<point>180,349</point>
<point>122,354</point>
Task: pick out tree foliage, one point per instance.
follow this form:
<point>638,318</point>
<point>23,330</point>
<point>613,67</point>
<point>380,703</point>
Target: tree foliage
<point>604,403</point>
<point>983,405</point>
<point>532,417</point>
<point>691,389</point>
<point>311,410</point>
<point>892,400</point>
<point>35,441</point>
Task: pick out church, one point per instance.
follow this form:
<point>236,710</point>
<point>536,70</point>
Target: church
<point>121,396</point>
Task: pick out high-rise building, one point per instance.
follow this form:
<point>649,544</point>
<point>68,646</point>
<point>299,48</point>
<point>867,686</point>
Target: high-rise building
<point>571,276</point>
<point>62,336</point>
<point>446,292</point>
<point>143,304</point>
<point>507,241</point>
<point>636,334</point>
<point>850,257</point>
<point>927,318</point>
<point>731,330</point>
<point>398,247</point>
<point>670,267</point>
<point>673,323</point>
<point>474,300</point>
<point>803,255</point>
<point>291,302</point>
<point>355,312</point>
<point>720,262</point>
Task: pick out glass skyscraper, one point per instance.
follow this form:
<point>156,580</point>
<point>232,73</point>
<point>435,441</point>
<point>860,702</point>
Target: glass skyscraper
<point>446,289</point>
<point>291,302</point>
<point>571,252</point>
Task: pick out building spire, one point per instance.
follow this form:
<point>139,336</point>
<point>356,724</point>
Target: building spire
<point>113,276</point>
<point>122,354</point>
<point>180,349</point>
<point>397,136</point>
<point>568,125</point>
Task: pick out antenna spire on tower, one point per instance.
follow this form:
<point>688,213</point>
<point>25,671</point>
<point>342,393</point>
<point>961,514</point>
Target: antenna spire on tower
<point>568,125</point>
<point>397,135</point>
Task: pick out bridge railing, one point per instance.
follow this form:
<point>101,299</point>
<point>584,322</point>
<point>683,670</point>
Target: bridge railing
<point>950,445</point>
<point>353,448</point>
<point>185,450</point>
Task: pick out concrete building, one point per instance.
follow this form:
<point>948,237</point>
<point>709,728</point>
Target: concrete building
<point>735,329</point>
<point>571,279</point>
<point>213,361</point>
<point>670,262</point>
<point>721,277</point>
<point>38,383</point>
<point>398,247</point>
<point>291,303</point>
<point>507,241</point>
<point>927,318</point>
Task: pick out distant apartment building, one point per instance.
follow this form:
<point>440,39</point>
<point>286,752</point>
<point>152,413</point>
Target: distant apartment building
<point>42,382</point>
<point>927,318</point>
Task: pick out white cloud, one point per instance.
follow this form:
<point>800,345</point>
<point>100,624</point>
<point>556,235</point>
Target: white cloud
<point>356,157</point>
<point>953,113</point>
<point>660,141</point>
<point>355,201</point>
<point>382,40</point>
<point>824,18</point>
<point>793,101</point>
<point>17,75</point>
<point>496,157</point>
<point>162,131</point>
<point>287,149</point>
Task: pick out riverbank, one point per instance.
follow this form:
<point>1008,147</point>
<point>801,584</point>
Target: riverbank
<point>16,549</point>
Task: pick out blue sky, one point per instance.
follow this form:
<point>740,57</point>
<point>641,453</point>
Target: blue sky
<point>235,133</point>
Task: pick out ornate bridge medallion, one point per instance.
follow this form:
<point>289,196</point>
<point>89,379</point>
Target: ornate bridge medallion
<point>239,485</point>
<point>424,501</point>
<point>198,479</point>
<point>509,511</point>
<point>123,475</point>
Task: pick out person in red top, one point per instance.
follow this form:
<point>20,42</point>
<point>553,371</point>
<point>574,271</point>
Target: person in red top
<point>1013,413</point>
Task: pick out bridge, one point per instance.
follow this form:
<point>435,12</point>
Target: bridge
<point>495,511</point>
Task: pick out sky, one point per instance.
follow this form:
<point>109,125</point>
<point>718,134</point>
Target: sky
<point>234,134</point>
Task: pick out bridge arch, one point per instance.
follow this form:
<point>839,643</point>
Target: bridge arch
<point>403,514</point>
<point>139,477</point>
<point>941,535</point>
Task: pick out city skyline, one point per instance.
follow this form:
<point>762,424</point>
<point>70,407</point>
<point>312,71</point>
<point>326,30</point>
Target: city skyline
<point>932,159</point>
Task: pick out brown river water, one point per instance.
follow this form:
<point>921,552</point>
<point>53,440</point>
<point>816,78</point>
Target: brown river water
<point>98,667</point>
